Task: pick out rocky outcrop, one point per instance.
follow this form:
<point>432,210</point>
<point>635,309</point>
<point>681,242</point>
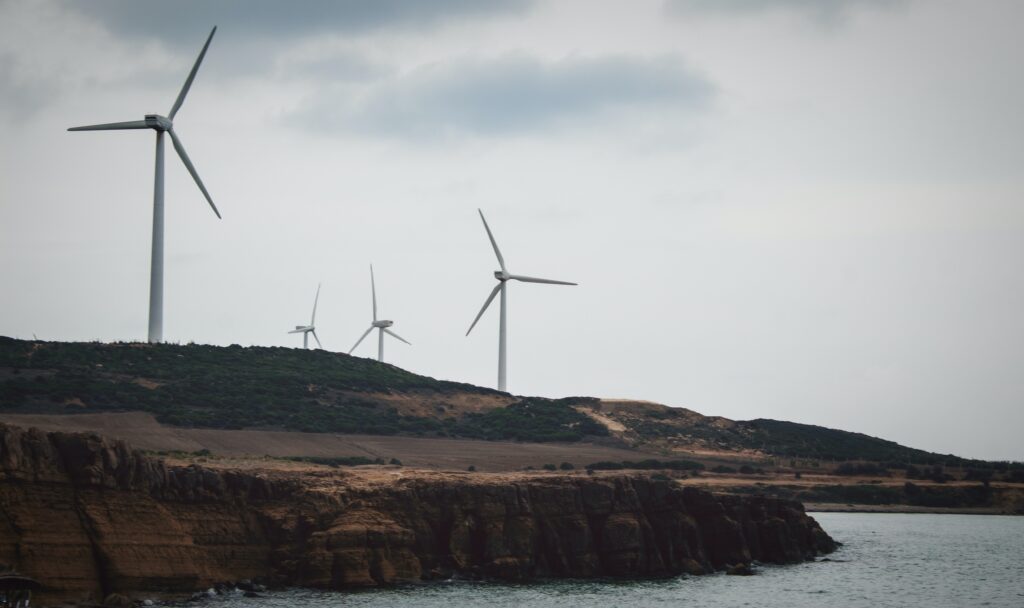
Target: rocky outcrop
<point>88,517</point>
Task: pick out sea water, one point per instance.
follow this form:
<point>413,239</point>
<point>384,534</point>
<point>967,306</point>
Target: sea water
<point>897,560</point>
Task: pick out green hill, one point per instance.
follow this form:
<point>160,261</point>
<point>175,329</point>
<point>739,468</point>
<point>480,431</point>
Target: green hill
<point>257,387</point>
<point>318,391</point>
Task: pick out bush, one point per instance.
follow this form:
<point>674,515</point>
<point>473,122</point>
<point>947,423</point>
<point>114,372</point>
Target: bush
<point>532,419</point>
<point>471,468</point>
<point>866,469</point>
<point>646,465</point>
<point>336,461</point>
<point>566,466</point>
<point>550,467</point>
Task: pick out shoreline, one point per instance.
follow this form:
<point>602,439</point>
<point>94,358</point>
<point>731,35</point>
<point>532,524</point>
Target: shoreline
<point>821,507</point>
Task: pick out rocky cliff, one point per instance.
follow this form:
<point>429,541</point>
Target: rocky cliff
<point>88,516</point>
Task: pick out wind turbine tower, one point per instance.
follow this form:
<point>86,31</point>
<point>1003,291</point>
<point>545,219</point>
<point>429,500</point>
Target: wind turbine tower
<point>504,276</point>
<point>305,330</point>
<point>382,325</point>
<point>161,124</point>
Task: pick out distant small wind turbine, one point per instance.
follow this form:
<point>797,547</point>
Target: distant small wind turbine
<point>161,124</point>
<point>504,276</point>
<point>305,330</point>
<point>382,325</point>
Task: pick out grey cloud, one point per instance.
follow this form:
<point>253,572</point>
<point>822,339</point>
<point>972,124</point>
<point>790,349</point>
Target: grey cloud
<point>508,95</point>
<point>824,11</point>
<point>178,22</point>
<point>335,67</point>
<point>21,96</point>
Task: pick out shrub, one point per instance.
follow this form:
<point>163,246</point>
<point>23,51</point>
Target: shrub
<point>336,461</point>
<point>566,466</point>
<point>861,468</point>
<point>650,464</point>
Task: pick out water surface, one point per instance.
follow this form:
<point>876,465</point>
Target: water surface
<point>897,560</point>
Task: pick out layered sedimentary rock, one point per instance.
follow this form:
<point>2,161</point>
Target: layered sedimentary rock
<point>88,517</point>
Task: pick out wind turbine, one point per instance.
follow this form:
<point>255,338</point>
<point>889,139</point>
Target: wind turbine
<point>381,325</point>
<point>161,124</point>
<point>503,277</point>
<point>305,330</point>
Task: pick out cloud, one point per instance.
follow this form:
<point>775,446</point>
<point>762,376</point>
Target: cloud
<point>822,11</point>
<point>503,96</point>
<point>22,94</point>
<point>332,66</point>
<point>179,22</point>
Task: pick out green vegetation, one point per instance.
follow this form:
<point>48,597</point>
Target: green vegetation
<point>234,387</point>
<point>809,441</point>
<point>531,419</point>
<point>871,494</point>
<point>646,465</point>
<point>865,469</point>
<point>336,461</point>
<point>318,391</point>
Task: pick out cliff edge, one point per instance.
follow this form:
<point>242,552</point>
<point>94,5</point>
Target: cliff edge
<point>88,516</point>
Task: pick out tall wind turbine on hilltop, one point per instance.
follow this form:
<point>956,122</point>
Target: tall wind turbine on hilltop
<point>381,325</point>
<point>503,277</point>
<point>161,124</point>
<point>305,330</point>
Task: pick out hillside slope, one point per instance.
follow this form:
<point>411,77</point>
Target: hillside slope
<point>285,389</point>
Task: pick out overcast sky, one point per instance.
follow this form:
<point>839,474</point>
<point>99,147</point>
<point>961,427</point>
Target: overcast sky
<point>791,209</point>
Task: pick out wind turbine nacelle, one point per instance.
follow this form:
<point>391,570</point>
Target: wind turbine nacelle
<point>383,323</point>
<point>160,123</point>
<point>501,275</point>
<point>300,327</point>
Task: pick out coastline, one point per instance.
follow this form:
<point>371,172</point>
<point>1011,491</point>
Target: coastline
<point>90,517</point>
<point>824,507</point>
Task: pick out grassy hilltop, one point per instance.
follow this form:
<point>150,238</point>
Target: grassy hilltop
<point>258,387</point>
<point>322,392</point>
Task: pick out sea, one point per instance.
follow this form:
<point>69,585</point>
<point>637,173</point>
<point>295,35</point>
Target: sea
<point>897,560</point>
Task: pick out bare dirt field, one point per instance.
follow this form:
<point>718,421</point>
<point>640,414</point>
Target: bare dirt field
<point>144,432</point>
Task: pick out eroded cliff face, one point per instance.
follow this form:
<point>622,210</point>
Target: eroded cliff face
<point>88,517</point>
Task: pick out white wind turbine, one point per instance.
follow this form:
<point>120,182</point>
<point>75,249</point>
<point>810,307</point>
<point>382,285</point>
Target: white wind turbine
<point>161,124</point>
<point>381,325</point>
<point>305,330</point>
<point>503,277</point>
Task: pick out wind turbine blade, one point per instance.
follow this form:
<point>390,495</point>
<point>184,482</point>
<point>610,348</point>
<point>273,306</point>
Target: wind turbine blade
<point>191,76</point>
<point>191,169</point>
<point>373,288</point>
<point>494,243</point>
<point>394,335</point>
<point>113,126</point>
<point>490,299</point>
<point>312,320</point>
<point>313,331</point>
<point>360,340</point>
<point>525,279</point>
